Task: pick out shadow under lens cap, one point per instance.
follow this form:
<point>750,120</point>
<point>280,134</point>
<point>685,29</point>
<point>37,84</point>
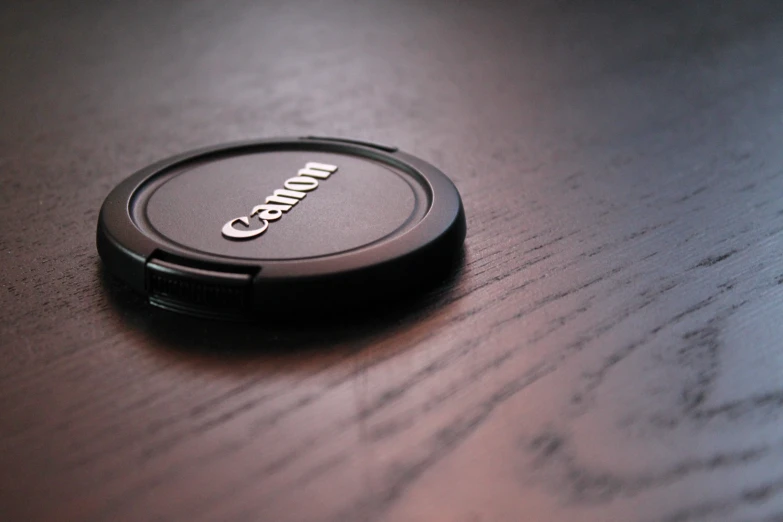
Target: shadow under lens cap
<point>244,229</point>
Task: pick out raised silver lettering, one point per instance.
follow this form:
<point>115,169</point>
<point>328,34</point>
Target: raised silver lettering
<point>317,170</point>
<point>233,233</point>
<point>280,201</point>
<point>302,183</point>
<point>287,197</point>
<point>270,212</point>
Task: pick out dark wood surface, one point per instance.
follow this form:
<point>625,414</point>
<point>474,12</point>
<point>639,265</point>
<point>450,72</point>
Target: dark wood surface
<point>612,348</point>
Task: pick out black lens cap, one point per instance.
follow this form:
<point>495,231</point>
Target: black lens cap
<point>245,229</point>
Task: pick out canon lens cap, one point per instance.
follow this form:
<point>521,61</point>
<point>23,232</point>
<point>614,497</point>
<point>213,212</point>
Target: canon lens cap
<point>244,229</point>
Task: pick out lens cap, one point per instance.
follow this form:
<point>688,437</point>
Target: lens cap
<point>242,230</point>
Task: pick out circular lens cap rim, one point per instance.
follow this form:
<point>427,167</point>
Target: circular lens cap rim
<point>126,249</point>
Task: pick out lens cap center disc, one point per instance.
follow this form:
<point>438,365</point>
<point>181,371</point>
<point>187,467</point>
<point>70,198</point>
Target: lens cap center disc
<point>361,202</point>
<point>310,218</point>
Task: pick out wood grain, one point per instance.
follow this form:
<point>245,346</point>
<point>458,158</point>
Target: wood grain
<point>610,349</point>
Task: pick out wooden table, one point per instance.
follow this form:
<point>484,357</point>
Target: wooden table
<point>611,349</point>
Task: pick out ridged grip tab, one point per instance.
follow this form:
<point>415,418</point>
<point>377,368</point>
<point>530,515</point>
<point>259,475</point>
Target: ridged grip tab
<point>207,293</point>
